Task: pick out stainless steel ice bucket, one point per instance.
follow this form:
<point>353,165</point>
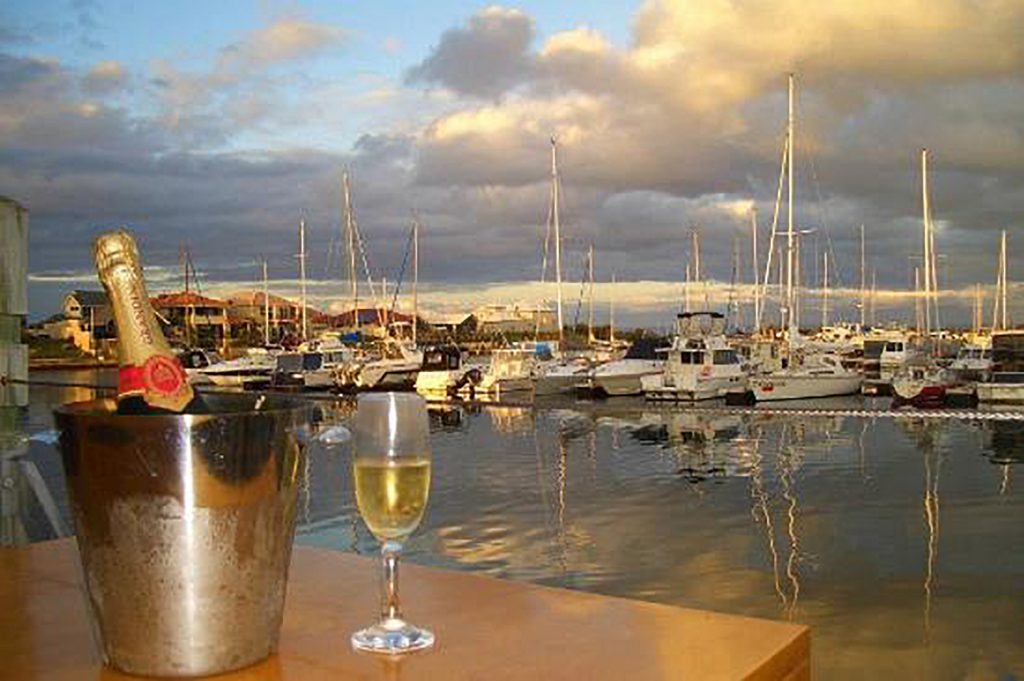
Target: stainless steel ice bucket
<point>185,527</point>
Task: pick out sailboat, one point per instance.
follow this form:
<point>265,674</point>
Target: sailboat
<point>921,382</point>
<point>804,372</point>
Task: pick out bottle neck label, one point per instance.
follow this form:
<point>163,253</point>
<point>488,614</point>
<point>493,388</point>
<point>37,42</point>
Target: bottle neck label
<point>159,375</point>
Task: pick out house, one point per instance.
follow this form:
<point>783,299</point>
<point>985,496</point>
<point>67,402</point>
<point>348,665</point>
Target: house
<point>515,318</point>
<point>86,319</point>
<point>192,319</point>
<point>248,311</point>
<point>461,325</point>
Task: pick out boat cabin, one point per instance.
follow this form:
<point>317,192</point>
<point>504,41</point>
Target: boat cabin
<point>442,358</point>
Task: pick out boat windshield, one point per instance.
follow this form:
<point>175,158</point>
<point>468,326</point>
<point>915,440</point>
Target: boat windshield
<point>311,361</point>
<point>725,357</point>
<point>645,348</point>
<point>894,346</point>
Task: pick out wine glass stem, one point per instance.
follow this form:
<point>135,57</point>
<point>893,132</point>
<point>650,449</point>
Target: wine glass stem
<point>390,552</point>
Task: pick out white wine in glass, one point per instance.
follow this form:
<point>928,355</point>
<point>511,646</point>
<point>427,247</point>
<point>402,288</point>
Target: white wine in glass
<point>392,495</point>
<point>391,468</point>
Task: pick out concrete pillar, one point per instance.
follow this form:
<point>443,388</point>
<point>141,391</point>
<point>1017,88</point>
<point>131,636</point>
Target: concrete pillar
<point>13,303</point>
<point>13,365</point>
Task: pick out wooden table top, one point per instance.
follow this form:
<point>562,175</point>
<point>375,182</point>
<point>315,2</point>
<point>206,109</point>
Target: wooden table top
<point>487,629</point>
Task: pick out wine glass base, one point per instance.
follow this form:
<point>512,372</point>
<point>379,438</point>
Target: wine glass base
<point>392,637</point>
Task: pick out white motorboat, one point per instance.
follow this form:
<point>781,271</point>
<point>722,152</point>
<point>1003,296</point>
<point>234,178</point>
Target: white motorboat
<point>310,370</point>
<point>806,375</point>
<point>700,365</point>
<point>206,366</point>
<point>1004,387</point>
<point>973,362</point>
<point>443,374</point>
<point>562,376</point>
<point>511,370</point>
<point>396,368</point>
<point>622,377</point>
<point>895,355</point>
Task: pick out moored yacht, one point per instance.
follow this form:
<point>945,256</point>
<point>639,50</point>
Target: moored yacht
<point>511,370</point>
<point>206,366</point>
<point>622,377</point>
<point>806,375</point>
<point>443,374</point>
<point>921,383</point>
<point>700,364</point>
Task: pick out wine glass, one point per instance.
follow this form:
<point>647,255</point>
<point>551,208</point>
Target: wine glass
<point>391,468</point>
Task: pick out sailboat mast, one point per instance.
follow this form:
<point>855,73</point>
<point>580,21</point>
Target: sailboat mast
<point>824,303</point>
<point>918,312</point>
<point>350,239</point>
<point>302,273</point>
<point>558,234</point>
<point>611,312</point>
<point>415,277</point>
<point>790,299</point>
<point>1002,269</point>
<point>999,314</point>
<point>753,248</point>
<point>927,245</point>
<point>590,297</point>
<point>863,282</point>
<point>686,290</point>
<point>977,309</point>
<point>266,306</point>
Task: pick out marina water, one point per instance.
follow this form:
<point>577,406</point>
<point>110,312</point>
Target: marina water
<point>900,542</point>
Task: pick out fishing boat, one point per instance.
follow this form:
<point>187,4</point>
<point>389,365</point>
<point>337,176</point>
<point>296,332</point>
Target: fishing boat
<point>700,364</point>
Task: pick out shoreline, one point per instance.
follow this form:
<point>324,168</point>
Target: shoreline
<point>64,364</point>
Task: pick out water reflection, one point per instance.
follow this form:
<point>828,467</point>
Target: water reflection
<point>833,522</point>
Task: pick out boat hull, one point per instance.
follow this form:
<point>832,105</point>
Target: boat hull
<point>656,389</point>
<point>801,387</point>
<point>1001,393</point>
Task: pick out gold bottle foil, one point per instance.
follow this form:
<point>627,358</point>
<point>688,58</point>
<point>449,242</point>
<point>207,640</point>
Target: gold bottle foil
<point>148,367</point>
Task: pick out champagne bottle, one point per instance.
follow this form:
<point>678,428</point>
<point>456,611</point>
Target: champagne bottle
<point>150,378</point>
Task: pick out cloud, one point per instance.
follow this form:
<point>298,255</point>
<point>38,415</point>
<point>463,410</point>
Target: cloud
<point>249,81</point>
<point>681,127</point>
<point>105,77</point>
<point>484,58</point>
<point>284,40</point>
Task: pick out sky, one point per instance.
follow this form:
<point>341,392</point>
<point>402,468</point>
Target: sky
<point>218,126</point>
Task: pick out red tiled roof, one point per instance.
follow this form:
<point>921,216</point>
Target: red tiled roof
<point>190,299</point>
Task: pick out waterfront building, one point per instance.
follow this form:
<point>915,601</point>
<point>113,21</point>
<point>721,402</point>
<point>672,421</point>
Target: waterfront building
<point>192,319</point>
<point>520,317</point>
<point>86,320</point>
<point>461,325</point>
<point>248,312</point>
